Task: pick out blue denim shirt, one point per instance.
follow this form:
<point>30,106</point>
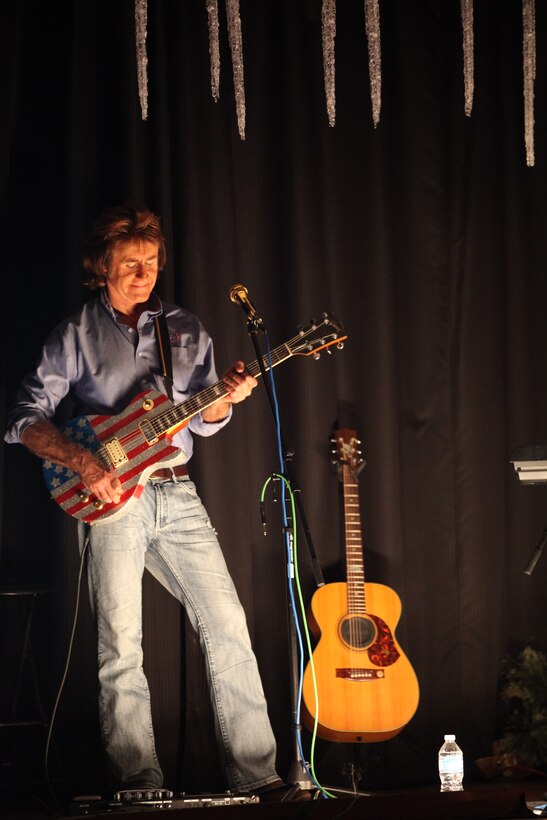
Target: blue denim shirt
<point>101,364</point>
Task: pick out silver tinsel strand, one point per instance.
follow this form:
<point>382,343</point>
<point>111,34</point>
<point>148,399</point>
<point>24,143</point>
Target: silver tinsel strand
<point>328,31</point>
<point>529,74</point>
<point>236,47</point>
<point>372,27</point>
<point>466,8</point>
<point>214,49</point>
<point>141,18</point>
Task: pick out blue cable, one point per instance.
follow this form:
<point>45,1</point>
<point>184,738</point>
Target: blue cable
<point>287,544</point>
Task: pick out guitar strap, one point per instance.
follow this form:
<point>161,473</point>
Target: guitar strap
<point>164,345</point>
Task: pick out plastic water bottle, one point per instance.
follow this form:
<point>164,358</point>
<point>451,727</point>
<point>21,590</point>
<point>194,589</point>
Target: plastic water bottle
<point>451,765</point>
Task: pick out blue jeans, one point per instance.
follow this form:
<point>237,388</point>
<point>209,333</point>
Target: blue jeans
<point>169,533</point>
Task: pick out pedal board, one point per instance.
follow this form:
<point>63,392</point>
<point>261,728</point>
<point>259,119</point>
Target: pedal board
<point>143,796</point>
<point>155,799</point>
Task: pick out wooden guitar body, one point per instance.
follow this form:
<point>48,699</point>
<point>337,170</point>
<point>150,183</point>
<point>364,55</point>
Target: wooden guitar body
<point>367,691</point>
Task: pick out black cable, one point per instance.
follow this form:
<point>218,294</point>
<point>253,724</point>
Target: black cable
<point>65,672</point>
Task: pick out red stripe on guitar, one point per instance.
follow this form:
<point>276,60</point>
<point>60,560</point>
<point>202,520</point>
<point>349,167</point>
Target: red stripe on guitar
<point>136,470</point>
<point>76,508</point>
<point>121,424</point>
<point>94,515</point>
<point>133,411</point>
<point>126,475</point>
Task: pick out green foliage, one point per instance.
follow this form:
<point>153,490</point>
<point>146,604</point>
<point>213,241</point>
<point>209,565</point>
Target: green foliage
<point>524,689</point>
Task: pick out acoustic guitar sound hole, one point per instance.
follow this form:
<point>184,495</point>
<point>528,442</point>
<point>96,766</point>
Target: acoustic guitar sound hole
<point>357,632</point>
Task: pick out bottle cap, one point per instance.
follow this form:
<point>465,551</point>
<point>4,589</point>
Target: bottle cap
<point>450,737</point>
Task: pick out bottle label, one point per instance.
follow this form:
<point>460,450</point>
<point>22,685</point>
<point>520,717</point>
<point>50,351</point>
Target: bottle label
<point>451,764</point>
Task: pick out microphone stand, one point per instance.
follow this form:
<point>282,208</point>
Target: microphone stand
<point>535,556</point>
<point>298,774</point>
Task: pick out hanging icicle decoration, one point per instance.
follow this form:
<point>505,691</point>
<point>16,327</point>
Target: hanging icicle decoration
<point>141,18</point>
<point>328,31</point>
<point>529,74</point>
<point>372,27</point>
<point>214,48</point>
<point>466,8</point>
<point>236,47</point>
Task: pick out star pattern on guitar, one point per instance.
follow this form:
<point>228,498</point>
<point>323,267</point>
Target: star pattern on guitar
<point>79,430</point>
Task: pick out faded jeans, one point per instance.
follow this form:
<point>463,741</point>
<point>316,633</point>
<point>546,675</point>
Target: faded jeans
<point>169,533</point>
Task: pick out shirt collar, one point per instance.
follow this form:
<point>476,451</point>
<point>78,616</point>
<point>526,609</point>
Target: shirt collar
<point>155,309</point>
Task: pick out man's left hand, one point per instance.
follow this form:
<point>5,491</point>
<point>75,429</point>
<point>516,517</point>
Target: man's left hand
<point>240,383</point>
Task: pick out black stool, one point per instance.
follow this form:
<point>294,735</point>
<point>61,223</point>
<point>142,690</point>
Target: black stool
<point>13,716</point>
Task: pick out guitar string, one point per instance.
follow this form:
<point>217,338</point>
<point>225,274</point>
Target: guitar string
<point>161,423</point>
<point>175,415</point>
<point>356,578</point>
<point>351,578</point>
<point>354,621</point>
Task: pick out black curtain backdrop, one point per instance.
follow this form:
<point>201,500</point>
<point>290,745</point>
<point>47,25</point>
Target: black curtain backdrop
<point>425,236</point>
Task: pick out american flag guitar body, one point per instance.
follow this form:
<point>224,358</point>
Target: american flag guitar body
<point>138,441</point>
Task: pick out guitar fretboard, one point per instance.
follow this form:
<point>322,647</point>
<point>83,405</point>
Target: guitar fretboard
<point>180,413</point>
<point>355,569</point>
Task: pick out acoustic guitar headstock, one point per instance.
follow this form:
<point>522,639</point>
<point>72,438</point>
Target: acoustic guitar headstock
<point>346,451</point>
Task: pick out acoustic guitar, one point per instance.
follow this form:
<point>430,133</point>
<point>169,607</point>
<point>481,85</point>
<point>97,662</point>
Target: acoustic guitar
<point>137,441</point>
<point>367,688</point>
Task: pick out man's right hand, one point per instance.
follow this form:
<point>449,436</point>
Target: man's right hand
<point>47,442</point>
<point>106,486</point>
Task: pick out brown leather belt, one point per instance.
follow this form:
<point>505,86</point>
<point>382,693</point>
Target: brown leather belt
<point>179,471</point>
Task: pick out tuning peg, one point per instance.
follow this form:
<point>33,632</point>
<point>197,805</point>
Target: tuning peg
<point>340,345</point>
<point>329,351</point>
<point>316,355</point>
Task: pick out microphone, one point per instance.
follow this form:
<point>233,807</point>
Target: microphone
<point>240,296</point>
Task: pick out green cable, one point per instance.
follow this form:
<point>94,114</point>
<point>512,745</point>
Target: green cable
<point>305,625</point>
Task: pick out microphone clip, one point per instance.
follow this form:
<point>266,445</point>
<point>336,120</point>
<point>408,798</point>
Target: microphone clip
<point>240,296</point>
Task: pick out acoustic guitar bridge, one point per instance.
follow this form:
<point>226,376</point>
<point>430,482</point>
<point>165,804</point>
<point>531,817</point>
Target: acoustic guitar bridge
<point>360,674</point>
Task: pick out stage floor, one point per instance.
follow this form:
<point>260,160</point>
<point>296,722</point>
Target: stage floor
<point>487,801</point>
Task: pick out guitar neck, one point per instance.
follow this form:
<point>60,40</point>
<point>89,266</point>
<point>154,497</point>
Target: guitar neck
<point>355,568</point>
<point>181,413</point>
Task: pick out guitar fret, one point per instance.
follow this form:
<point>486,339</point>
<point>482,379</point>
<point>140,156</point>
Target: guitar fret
<point>354,549</point>
<point>301,343</point>
<point>184,411</point>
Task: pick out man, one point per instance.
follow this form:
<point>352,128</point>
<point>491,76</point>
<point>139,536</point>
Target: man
<point>102,357</point>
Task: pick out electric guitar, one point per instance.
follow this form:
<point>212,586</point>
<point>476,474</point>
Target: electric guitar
<point>138,441</point>
<point>367,689</point>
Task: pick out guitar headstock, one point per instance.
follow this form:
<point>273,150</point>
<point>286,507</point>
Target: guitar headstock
<point>346,450</point>
<point>317,336</point>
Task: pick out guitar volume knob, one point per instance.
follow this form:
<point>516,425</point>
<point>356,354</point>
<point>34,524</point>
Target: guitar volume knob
<point>98,504</point>
<point>83,495</point>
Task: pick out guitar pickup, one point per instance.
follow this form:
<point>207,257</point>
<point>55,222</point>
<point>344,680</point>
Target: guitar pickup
<point>148,431</point>
<point>115,452</point>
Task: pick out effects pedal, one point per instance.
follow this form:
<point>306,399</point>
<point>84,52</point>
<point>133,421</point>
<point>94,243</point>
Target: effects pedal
<point>155,799</point>
<point>149,797</point>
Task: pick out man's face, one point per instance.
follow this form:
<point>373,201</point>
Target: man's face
<point>132,275</point>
